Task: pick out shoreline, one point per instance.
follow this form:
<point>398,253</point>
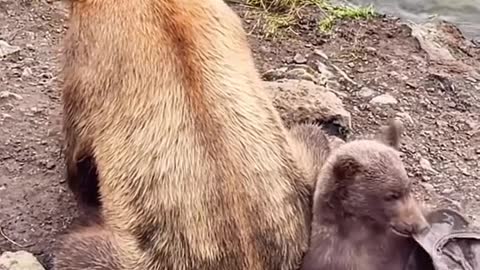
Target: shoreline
<point>470,30</point>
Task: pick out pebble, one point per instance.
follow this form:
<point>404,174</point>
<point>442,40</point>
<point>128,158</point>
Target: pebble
<point>428,187</point>
<point>30,47</point>
<point>384,99</point>
<point>7,94</point>
<point>426,165</point>
<point>20,260</point>
<point>366,92</point>
<point>6,49</point>
<point>299,59</point>
<point>264,49</point>
<point>6,116</point>
<point>448,191</point>
<point>412,85</point>
<point>441,123</point>
<point>473,80</point>
<point>50,165</point>
<point>27,72</point>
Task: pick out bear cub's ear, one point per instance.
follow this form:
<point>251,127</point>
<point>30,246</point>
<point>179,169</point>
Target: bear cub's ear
<point>391,134</point>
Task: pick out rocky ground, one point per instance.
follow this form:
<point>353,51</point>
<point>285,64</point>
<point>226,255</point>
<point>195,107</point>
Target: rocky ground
<point>357,77</point>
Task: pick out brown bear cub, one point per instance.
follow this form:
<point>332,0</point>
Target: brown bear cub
<point>363,209</point>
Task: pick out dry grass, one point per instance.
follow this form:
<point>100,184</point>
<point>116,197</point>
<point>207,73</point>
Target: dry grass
<point>282,14</point>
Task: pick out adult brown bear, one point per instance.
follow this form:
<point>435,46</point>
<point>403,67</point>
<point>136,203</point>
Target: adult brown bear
<point>171,137</point>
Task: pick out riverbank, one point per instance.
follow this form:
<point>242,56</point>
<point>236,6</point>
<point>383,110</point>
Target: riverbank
<point>463,13</point>
<point>379,68</point>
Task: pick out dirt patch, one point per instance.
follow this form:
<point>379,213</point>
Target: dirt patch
<point>33,200</point>
<point>439,102</point>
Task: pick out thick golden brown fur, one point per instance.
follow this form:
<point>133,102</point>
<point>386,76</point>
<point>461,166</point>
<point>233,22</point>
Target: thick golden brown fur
<point>166,125</point>
<point>363,208</point>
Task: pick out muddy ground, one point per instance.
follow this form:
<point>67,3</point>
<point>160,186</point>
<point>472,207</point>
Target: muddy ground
<point>440,103</point>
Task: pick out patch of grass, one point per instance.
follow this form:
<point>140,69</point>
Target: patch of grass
<point>275,22</point>
<point>276,5</point>
<point>345,12</point>
<point>277,14</point>
<point>280,14</point>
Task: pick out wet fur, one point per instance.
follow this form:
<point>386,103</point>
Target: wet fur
<point>362,191</point>
<point>188,162</point>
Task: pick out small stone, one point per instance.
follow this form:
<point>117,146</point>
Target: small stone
<point>448,191</point>
<point>465,171</point>
<point>441,123</point>
<point>351,65</point>
<point>6,116</point>
<point>6,49</point>
<point>366,92</point>
<point>50,165</point>
<point>428,187</point>
<point>299,59</point>
<point>20,260</point>
<point>384,99</point>
<point>320,53</point>
<point>30,47</point>
<point>426,178</point>
<point>472,124</point>
<point>7,94</point>
<point>426,165</point>
<point>473,80</point>
<point>412,85</point>
<point>36,110</point>
<point>27,72</point>
<point>452,104</point>
<point>264,49</point>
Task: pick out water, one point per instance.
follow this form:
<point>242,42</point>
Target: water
<point>463,13</point>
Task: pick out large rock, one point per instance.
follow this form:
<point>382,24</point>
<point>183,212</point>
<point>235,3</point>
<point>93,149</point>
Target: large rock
<point>300,101</point>
<point>445,45</point>
<point>20,260</point>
